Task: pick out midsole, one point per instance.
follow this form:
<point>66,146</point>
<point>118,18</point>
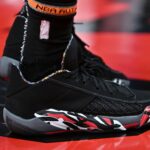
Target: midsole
<point>34,124</point>
<point>53,120</point>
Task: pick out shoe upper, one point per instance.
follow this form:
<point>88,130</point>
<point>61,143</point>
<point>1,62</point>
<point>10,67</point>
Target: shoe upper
<point>76,90</point>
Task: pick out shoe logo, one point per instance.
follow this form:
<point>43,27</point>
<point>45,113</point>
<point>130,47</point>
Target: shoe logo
<point>44,30</point>
<point>52,10</point>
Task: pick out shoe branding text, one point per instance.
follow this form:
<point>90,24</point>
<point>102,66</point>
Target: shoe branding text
<point>52,10</point>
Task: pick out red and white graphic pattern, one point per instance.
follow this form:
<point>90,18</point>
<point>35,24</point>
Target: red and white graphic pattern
<point>70,121</point>
<point>65,120</point>
<point>145,119</point>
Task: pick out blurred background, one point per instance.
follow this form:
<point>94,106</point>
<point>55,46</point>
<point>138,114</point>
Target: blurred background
<point>116,30</point>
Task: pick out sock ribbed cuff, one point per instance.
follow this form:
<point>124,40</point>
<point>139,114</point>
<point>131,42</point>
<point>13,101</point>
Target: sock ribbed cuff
<point>56,9</point>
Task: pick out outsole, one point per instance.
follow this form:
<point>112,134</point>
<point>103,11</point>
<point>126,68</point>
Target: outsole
<point>54,121</point>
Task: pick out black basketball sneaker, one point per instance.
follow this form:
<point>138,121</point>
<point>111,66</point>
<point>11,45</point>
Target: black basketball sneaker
<point>71,99</point>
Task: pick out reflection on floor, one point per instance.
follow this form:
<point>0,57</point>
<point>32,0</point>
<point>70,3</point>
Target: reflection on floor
<point>109,141</point>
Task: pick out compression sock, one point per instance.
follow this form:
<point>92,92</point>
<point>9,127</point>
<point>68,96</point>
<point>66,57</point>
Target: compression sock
<point>47,33</point>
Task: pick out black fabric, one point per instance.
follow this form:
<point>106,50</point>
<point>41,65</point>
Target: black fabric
<point>113,108</point>
<point>63,92</point>
<point>59,36</point>
<point>44,56</point>
<point>24,100</point>
<point>13,45</point>
<point>99,68</point>
<point>82,79</point>
<point>141,94</point>
<point>15,37</point>
<point>77,91</point>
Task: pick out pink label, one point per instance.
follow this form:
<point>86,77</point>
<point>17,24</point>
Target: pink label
<point>44,29</point>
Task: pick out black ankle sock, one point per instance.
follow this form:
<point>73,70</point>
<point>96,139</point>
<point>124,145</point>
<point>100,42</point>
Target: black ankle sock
<point>43,50</point>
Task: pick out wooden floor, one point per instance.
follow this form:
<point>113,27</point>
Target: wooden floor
<point>111,32</point>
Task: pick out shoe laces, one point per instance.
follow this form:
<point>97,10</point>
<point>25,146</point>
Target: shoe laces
<point>98,66</point>
<point>83,75</point>
<point>96,63</point>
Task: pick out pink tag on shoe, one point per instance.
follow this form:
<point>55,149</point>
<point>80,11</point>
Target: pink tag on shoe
<point>44,30</point>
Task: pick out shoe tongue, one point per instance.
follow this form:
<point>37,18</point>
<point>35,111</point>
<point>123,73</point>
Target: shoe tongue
<point>72,58</point>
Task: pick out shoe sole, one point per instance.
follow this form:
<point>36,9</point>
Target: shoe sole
<point>57,121</point>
